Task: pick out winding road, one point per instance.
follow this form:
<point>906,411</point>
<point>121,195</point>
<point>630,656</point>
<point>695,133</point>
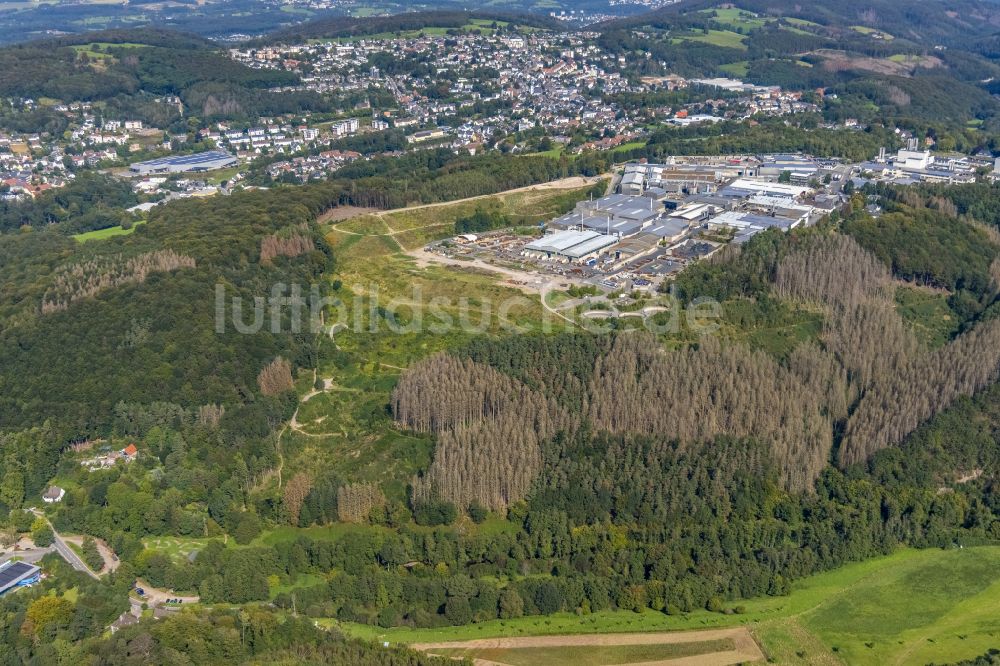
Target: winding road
<point>64,550</point>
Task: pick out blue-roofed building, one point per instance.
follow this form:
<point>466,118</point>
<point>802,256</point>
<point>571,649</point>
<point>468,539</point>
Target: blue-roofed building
<point>204,161</point>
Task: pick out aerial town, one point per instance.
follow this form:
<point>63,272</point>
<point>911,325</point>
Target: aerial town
<point>469,92</point>
<point>515,92</point>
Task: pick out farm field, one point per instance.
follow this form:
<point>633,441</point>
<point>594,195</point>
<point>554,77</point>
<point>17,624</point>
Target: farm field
<point>911,607</point>
<point>720,646</point>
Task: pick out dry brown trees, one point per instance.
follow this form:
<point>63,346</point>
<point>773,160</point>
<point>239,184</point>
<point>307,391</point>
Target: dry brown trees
<point>276,377</point>
<point>488,425</point>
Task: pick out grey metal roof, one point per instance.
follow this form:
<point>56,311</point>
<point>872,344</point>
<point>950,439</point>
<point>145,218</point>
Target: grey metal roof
<point>13,573</point>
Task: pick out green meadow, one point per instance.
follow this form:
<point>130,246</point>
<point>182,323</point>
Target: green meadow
<point>109,232</point>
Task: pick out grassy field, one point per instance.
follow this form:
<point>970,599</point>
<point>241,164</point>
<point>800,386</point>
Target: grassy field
<point>733,17</point>
<point>410,228</point>
<point>911,607</point>
<point>802,22</point>
<point>631,145</point>
<point>737,69</point>
<point>865,30</point>
<point>101,234</point>
<point>778,333</point>
<point>725,38</point>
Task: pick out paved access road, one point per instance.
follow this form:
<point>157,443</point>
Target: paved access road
<point>64,550</point>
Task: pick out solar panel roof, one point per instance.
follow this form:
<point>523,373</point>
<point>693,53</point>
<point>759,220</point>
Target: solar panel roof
<point>15,571</point>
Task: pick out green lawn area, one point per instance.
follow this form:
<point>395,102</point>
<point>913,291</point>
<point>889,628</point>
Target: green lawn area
<point>109,232</point>
<point>935,607</point>
<point>588,655</point>
<point>865,30</point>
<point>631,145</point>
<point>552,152</point>
<point>913,607</point>
<point>216,176</point>
<point>801,22</point>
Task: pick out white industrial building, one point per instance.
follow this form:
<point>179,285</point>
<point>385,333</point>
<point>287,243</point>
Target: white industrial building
<point>751,187</point>
<point>569,246</point>
<point>204,161</point>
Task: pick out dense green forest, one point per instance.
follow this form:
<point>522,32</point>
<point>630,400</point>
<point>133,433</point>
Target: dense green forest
<point>623,521</point>
<point>64,620</point>
<point>90,201</point>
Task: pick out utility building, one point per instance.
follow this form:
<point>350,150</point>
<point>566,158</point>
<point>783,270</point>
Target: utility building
<point>206,161</point>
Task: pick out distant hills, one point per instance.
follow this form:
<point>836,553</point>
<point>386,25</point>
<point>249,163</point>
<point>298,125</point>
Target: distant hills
<point>881,60</point>
<point>242,19</point>
<point>924,22</point>
<point>340,27</point>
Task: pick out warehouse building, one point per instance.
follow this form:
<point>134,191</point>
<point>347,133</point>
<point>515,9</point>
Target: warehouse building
<point>780,206</point>
<point>205,161</point>
<point>633,248</point>
<point>616,214</point>
<point>745,188</point>
<point>747,225</point>
<point>670,229</point>
<point>633,182</point>
<point>569,246</point>
<point>800,169</point>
